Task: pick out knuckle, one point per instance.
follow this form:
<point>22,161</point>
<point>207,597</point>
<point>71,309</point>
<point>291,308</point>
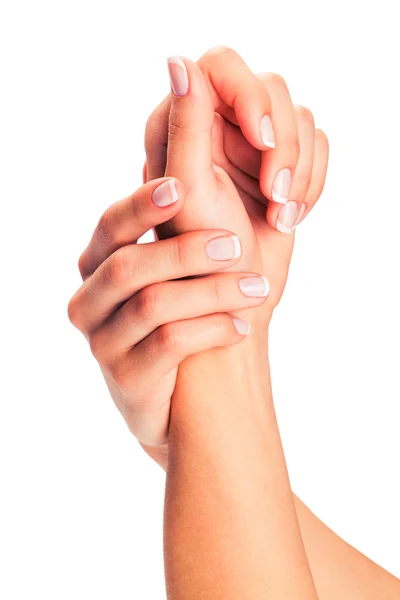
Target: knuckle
<point>119,374</point>
<point>224,326</point>
<point>322,137</point>
<point>105,228</point>
<point>292,144</point>
<point>117,267</point>
<point>217,290</point>
<point>304,113</point>
<point>135,207</point>
<point>169,338</point>
<point>302,178</point>
<point>176,127</point>
<point>275,79</point>
<point>83,264</point>
<point>219,50</point>
<point>73,311</point>
<point>147,303</point>
<point>178,252</point>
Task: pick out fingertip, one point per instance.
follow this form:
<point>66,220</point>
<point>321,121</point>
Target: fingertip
<point>267,133</point>
<point>285,218</point>
<point>242,327</point>
<point>178,76</point>
<point>168,194</point>
<point>301,214</point>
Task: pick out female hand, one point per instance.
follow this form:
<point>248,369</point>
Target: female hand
<point>210,136</point>
<point>290,167</point>
<point>139,314</point>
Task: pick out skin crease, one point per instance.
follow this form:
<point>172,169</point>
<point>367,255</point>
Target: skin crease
<point>339,571</point>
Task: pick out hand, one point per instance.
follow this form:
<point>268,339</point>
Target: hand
<point>241,101</point>
<point>217,149</point>
<point>139,315</point>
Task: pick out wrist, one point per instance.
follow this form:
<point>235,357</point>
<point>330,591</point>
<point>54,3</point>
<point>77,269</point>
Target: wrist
<point>224,396</point>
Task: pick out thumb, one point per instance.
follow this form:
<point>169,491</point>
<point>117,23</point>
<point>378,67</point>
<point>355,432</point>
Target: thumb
<point>191,117</point>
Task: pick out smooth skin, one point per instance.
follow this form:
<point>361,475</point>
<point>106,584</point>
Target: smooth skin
<point>339,571</point>
<point>139,315</point>
<point>117,326</point>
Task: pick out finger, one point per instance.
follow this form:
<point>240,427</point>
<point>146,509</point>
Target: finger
<point>318,177</point>
<point>163,350</point>
<point>236,93</point>
<point>171,301</point>
<point>156,140</point>
<point>133,267</point>
<point>154,362</point>
<point>190,123</point>
<point>189,152</point>
<point>240,153</point>
<point>284,217</point>
<point>240,179</point>
<point>279,164</point>
<point>233,85</point>
<point>125,221</point>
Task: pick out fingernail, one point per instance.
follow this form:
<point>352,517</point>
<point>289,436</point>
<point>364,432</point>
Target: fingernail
<point>255,286</point>
<point>241,326</point>
<point>267,132</point>
<point>165,194</point>
<point>287,217</point>
<point>301,213</point>
<point>178,76</point>
<point>223,248</point>
<point>281,187</point>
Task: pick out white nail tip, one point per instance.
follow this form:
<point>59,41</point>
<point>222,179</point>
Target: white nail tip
<point>267,142</point>
<point>177,61</point>
<point>237,246</point>
<point>283,229</point>
<point>267,132</point>
<point>278,198</point>
<point>174,193</point>
<point>266,286</point>
<point>301,213</point>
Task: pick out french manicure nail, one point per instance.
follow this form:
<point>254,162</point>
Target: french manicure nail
<point>267,132</point>
<point>301,213</point>
<point>287,217</point>
<point>165,194</point>
<point>224,248</point>
<point>281,186</point>
<point>254,286</point>
<point>241,326</point>
<point>178,76</point>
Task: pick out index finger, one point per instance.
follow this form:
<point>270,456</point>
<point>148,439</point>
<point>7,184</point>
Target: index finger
<point>233,85</point>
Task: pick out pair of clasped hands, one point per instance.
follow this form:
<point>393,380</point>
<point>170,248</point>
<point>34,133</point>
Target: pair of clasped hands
<point>232,167</point>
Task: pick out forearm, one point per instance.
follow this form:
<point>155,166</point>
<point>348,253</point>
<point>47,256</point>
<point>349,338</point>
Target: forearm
<point>230,523</point>
<point>339,570</point>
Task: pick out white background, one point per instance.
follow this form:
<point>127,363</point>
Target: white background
<point>81,505</point>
